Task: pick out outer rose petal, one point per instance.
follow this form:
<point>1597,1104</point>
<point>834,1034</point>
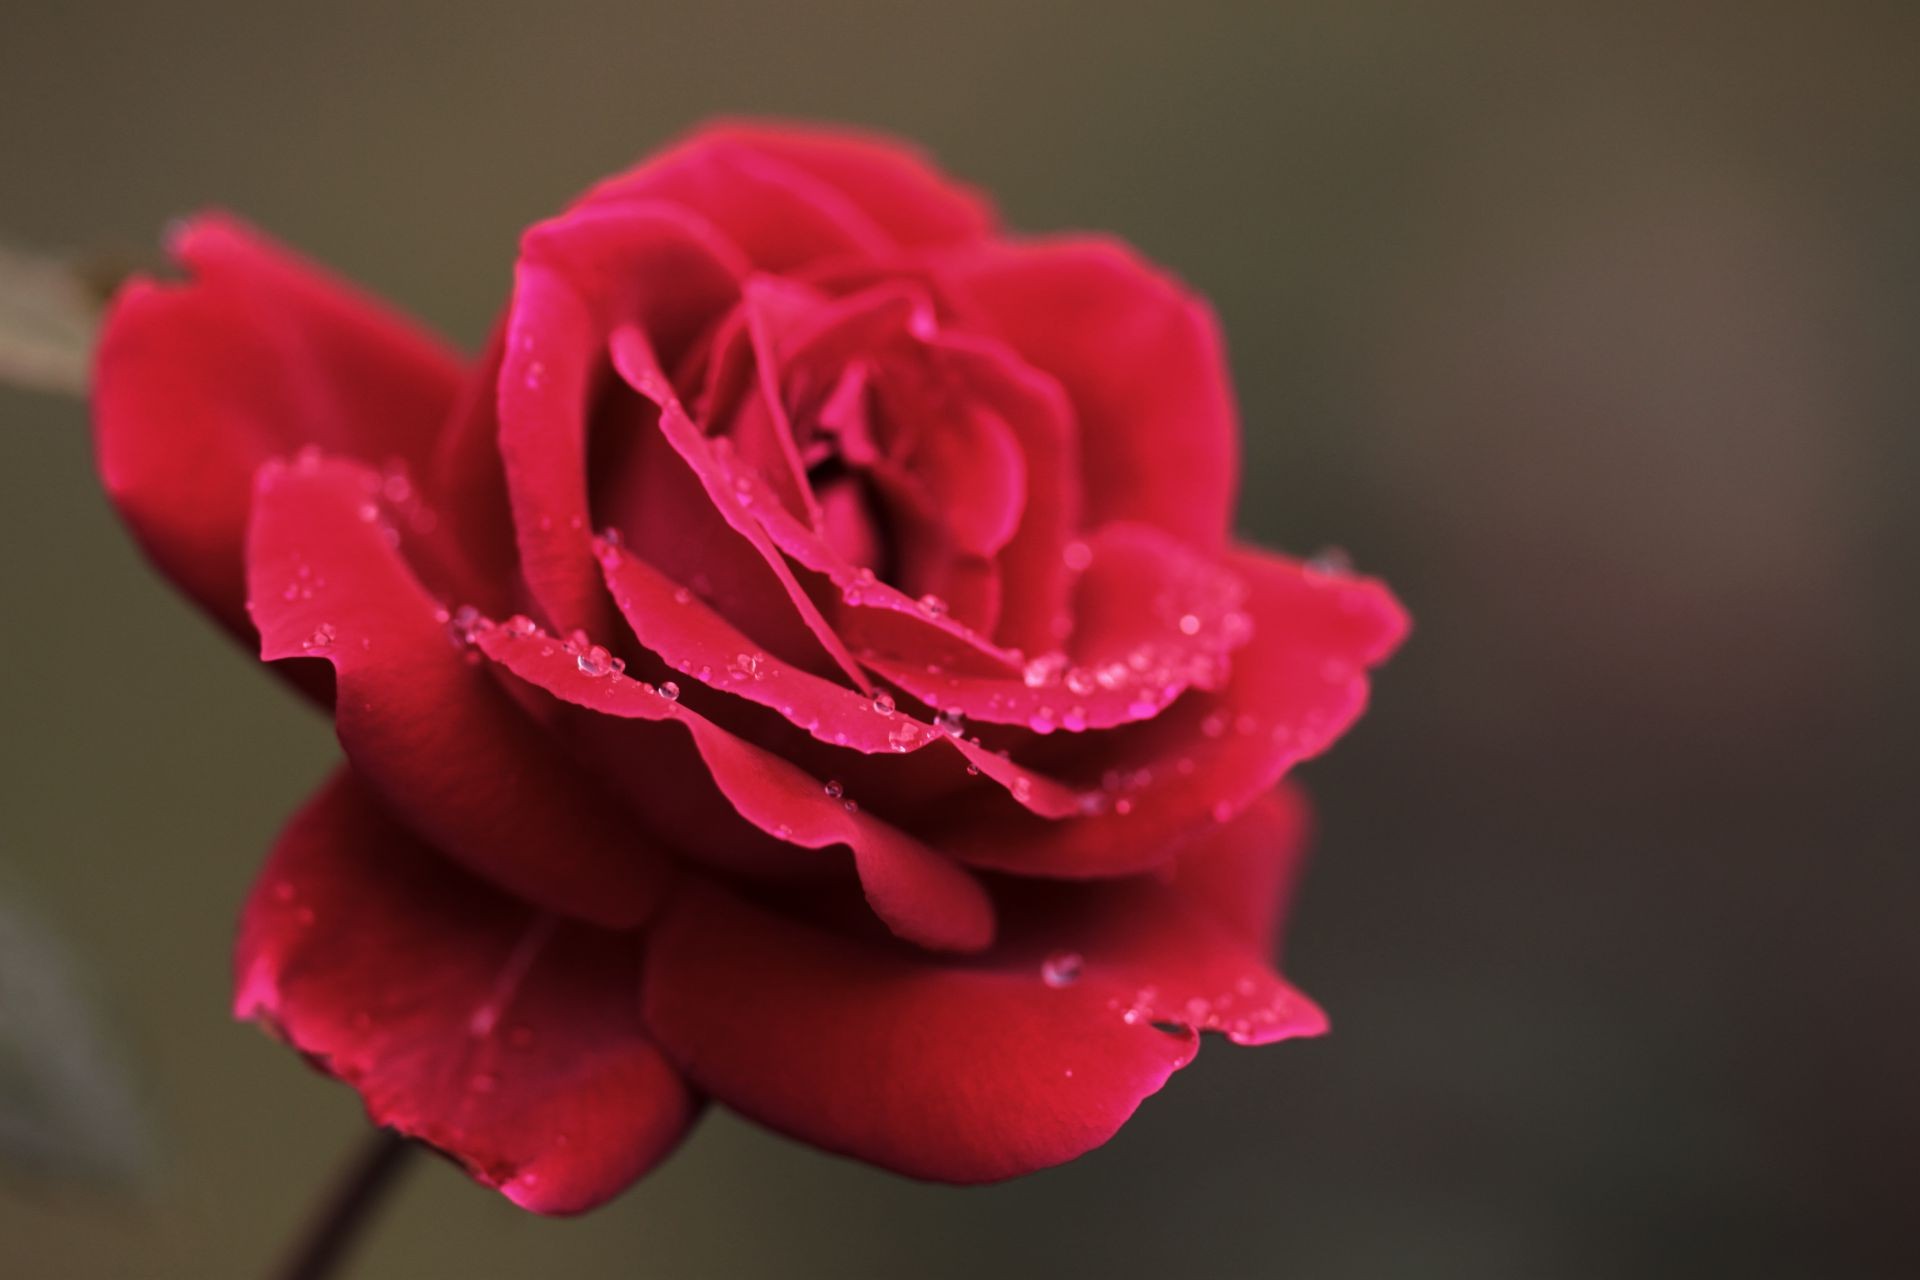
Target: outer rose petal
<point>956,1073</point>
<point>1244,872</point>
<point>779,215</point>
<point>433,735</point>
<point>1142,359</point>
<point>197,383</point>
<point>504,1037</point>
<point>894,184</point>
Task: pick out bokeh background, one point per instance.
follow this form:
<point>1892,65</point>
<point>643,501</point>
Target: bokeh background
<point>1591,326</point>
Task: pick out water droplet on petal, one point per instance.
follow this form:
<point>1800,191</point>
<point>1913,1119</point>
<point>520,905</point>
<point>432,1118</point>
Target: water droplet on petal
<point>594,661</point>
<point>883,703</point>
<point>834,789</point>
<point>1061,969</point>
<point>321,638</point>
<point>669,690</point>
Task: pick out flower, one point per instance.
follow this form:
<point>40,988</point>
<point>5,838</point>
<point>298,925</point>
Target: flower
<point>802,664</point>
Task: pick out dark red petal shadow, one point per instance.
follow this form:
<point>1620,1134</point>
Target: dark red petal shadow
<point>1244,873</point>
<point>507,1038</point>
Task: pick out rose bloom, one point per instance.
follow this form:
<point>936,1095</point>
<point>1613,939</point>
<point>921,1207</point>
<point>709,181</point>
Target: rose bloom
<point>802,663</point>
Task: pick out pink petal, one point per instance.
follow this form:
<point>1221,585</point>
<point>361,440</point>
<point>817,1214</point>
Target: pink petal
<point>430,732</point>
<point>509,1039</point>
<point>1026,1057</point>
<point>259,352</point>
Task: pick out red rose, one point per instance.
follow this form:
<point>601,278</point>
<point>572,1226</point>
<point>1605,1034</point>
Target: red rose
<point>803,663</point>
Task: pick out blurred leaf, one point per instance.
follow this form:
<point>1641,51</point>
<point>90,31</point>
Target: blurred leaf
<point>49,308</point>
<point>66,1109</point>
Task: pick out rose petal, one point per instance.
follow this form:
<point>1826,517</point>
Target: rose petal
<point>1299,683</point>
<point>634,358</point>
<point>1244,872</point>
<point>509,1039</point>
<point>440,742</point>
<point>578,276</point>
<point>259,352</point>
<point>1142,359</point>
<point>920,895</point>
<point>1031,568</point>
<point>894,184</point>
<point>697,642</point>
<point>1151,620</point>
<point>1026,1057</point>
<point>777,214</point>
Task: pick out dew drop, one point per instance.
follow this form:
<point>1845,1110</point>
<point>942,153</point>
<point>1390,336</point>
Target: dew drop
<point>594,661</point>
<point>669,690</point>
<point>834,789</point>
<point>1061,969</point>
<point>883,703</point>
<point>321,638</point>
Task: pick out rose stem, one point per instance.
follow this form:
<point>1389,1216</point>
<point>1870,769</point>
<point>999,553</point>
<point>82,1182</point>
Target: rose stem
<point>337,1223</point>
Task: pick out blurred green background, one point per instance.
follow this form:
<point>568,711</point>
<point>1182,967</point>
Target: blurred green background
<point>1590,326</point>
